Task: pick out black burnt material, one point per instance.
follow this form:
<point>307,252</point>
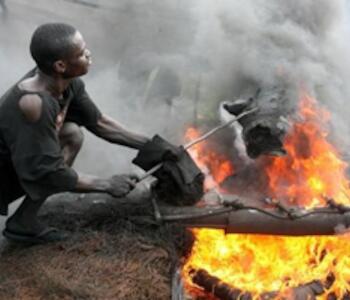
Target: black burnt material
<point>216,287</point>
<point>180,181</point>
<point>263,131</point>
<point>223,291</point>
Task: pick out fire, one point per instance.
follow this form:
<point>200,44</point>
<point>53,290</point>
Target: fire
<point>311,172</point>
<point>216,167</point>
<point>261,264</point>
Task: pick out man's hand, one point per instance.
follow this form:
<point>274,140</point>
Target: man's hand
<point>121,185</point>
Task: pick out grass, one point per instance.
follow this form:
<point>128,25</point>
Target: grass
<point>115,259</point>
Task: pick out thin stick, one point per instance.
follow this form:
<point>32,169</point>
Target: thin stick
<point>214,130</point>
<point>202,138</point>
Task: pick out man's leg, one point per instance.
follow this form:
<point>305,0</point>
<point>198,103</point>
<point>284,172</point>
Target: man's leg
<point>71,138</point>
<point>24,220</point>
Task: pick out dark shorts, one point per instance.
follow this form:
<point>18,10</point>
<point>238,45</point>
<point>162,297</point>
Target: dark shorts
<point>10,188</point>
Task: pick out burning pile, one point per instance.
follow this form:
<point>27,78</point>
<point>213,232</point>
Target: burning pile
<point>275,267</point>
<point>313,170</point>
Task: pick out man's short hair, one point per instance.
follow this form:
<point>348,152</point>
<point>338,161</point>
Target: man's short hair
<point>51,42</point>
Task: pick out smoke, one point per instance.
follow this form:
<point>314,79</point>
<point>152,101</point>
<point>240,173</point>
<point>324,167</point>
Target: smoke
<point>262,41</point>
<point>159,65</point>
<point>269,43</point>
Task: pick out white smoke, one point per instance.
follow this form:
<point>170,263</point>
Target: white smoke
<point>304,41</point>
<point>160,64</point>
<point>267,43</point>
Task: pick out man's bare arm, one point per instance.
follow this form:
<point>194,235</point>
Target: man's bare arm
<point>110,130</point>
<point>117,185</point>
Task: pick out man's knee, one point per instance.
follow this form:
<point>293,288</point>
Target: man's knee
<point>71,135</point>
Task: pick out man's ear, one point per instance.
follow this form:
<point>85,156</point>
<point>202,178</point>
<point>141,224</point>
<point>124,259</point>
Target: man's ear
<point>59,66</point>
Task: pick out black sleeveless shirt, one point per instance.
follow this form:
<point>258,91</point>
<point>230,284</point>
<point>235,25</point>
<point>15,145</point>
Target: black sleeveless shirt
<point>31,150</point>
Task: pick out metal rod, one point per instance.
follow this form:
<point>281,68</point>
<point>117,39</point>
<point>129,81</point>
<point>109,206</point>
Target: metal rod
<point>156,210</point>
<point>201,138</point>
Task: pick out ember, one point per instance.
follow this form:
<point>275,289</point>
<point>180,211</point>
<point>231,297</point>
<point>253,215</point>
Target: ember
<point>310,175</point>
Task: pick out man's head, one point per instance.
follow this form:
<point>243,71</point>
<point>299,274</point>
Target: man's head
<point>59,48</point>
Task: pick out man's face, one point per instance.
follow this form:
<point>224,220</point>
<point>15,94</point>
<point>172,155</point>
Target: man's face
<point>79,60</point>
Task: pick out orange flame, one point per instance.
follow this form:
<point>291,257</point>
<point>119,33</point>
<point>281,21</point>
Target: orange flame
<point>216,167</point>
<point>261,264</point>
<point>312,171</point>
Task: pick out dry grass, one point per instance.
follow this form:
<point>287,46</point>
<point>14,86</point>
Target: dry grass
<point>114,260</point>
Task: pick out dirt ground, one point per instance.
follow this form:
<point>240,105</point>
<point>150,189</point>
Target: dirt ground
<point>108,256</point>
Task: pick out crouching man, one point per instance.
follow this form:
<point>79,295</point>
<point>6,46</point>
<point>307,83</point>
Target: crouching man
<point>40,135</point>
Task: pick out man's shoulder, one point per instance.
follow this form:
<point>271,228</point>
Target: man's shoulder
<point>31,107</point>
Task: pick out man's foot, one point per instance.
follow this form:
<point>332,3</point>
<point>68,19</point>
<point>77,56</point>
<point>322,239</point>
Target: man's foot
<point>47,235</point>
